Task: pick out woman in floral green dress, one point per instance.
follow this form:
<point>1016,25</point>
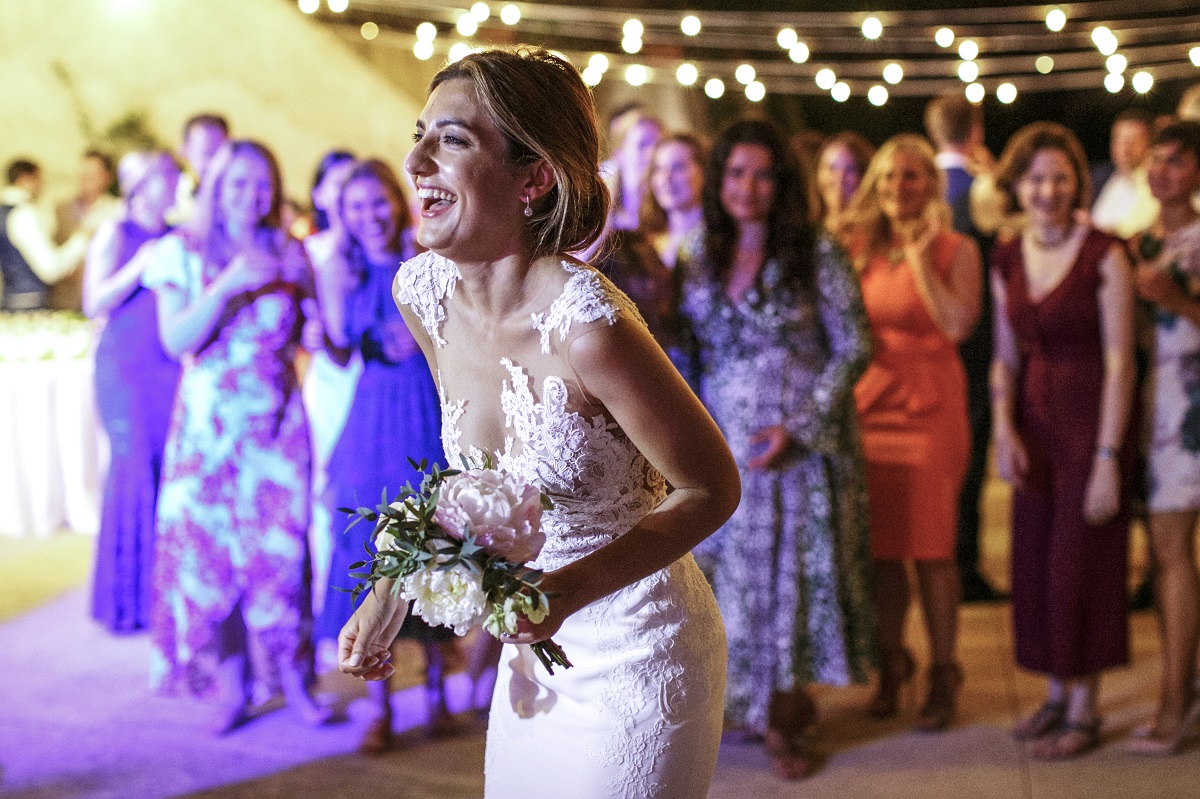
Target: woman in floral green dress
<point>779,332</point>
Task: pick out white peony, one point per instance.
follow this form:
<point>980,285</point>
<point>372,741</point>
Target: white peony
<point>503,513</point>
<point>384,540</point>
<point>450,597</point>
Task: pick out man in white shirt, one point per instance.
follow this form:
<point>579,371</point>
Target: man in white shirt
<point>94,198</point>
<point>29,261</point>
<point>1124,205</point>
<point>203,135</point>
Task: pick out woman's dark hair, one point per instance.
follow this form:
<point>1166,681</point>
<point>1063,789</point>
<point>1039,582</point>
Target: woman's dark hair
<point>328,161</point>
<point>790,233</point>
<point>384,175</point>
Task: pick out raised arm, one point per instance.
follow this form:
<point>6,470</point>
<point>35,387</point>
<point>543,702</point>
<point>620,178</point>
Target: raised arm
<point>105,285</point>
<point>952,302</point>
<point>623,368</point>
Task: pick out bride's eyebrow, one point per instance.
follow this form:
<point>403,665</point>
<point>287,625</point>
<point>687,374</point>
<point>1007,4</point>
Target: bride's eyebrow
<point>450,121</point>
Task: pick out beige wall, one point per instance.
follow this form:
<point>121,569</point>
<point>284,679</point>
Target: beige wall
<point>277,75</point>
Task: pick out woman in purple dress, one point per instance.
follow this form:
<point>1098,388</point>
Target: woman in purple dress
<point>231,562</point>
<point>396,414</point>
<point>135,386</point>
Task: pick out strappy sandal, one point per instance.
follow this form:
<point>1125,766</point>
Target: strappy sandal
<point>1073,740</point>
<point>1046,719</point>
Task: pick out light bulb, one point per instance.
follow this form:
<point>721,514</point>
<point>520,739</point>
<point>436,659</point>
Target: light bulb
<point>714,88</point>
<point>893,73</point>
<point>744,74</point>
<point>840,91</point>
<point>877,95</point>
<point>510,14</point>
<point>1006,93</point>
<point>1056,19</point>
<point>872,28</point>
<point>787,38</point>
<point>636,75</point>
<point>825,79</point>
<point>687,74</point>
<point>690,25</point>
<point>799,52</point>
<point>944,37</point>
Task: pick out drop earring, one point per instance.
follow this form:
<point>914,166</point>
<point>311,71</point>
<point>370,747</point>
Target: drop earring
<point>528,210</point>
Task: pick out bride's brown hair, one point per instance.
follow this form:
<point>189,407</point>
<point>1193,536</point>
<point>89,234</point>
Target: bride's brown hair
<point>545,112</point>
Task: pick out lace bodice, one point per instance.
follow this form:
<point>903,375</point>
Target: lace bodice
<point>600,483</point>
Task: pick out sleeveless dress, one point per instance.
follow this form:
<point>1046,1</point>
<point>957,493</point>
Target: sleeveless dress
<point>233,505</point>
<point>1068,577</point>
<point>639,714</point>
<point>912,404</point>
<point>135,388</point>
<point>396,415</point>
<point>791,567</point>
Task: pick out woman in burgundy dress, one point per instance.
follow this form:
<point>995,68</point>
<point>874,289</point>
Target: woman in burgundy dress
<point>1062,387</point>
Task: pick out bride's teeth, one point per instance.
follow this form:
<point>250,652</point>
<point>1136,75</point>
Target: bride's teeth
<point>436,194</point>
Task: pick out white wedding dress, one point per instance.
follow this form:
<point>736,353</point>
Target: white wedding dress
<point>639,714</point>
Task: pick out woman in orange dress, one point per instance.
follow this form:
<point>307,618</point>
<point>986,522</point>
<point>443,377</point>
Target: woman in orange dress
<point>921,285</point>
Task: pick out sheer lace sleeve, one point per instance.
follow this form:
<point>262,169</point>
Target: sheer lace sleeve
<point>423,283</point>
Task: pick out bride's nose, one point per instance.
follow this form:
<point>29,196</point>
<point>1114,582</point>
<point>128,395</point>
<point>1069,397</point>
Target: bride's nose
<point>417,161</point>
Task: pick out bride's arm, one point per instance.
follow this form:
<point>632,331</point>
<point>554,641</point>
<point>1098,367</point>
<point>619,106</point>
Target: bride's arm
<point>623,368</point>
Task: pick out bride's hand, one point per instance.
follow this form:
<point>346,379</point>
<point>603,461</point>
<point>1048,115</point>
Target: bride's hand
<point>560,608</point>
<point>365,642</point>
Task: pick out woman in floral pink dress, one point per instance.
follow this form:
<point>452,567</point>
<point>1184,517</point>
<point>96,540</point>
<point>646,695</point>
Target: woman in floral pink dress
<point>231,561</point>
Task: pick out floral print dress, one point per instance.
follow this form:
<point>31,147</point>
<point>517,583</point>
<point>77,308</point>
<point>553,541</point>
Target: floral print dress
<point>791,568</point>
<point>233,505</point>
<point>1174,456</point>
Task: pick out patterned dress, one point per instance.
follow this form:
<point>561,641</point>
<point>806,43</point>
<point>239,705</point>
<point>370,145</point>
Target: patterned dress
<point>233,506</point>
<point>1174,456</point>
<point>639,713</point>
<point>792,566</point>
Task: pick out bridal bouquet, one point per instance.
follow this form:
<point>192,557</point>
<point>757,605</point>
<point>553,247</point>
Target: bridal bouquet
<point>457,548</point>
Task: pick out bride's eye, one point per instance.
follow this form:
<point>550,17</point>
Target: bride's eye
<point>418,136</point>
<point>454,140</point>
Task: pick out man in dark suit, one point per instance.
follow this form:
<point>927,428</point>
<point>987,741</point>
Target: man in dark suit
<point>956,127</point>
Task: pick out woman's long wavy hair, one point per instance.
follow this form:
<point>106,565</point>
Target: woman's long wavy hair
<point>790,232</point>
<point>385,176</point>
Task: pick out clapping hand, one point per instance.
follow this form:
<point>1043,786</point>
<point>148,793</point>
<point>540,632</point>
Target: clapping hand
<point>249,271</point>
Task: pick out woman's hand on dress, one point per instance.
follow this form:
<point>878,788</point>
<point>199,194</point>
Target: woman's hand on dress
<point>1012,461</point>
<point>365,641</point>
<point>778,443</point>
<point>561,607</point>
<point>1102,497</point>
<point>249,270</point>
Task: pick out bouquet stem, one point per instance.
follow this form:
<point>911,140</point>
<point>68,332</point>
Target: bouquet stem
<point>551,655</point>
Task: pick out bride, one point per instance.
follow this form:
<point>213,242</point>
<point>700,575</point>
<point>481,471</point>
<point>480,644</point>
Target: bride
<point>544,365</point>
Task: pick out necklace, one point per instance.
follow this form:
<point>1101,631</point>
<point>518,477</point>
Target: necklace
<point>1043,244</point>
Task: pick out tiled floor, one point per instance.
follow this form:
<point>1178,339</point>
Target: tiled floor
<point>76,721</point>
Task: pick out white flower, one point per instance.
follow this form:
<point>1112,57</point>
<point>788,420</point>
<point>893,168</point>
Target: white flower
<point>450,597</point>
<point>502,513</point>
<point>504,617</point>
<point>385,541</point>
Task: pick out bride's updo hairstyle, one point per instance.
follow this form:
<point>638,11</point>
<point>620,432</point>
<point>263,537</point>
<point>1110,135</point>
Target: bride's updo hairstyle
<point>544,111</point>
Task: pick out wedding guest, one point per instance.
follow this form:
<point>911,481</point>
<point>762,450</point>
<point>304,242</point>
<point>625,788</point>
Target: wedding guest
<point>1124,205</point>
<point>395,415</point>
<point>230,571</point>
<point>636,136</point>
<point>29,262</point>
<point>203,136</point>
<point>545,367</point>
<point>955,126</point>
<point>326,183</point>
<point>1168,276</point>
<point>135,389</point>
<point>672,209</point>
<point>95,198</point>
<point>782,336</point>
<point>1062,390</point>
<point>841,163</point>
<point>920,283</point>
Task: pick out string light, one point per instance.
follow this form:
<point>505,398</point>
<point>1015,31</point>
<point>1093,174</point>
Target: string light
<point>825,79</point>
<point>687,74</point>
<point>591,77</point>
<point>1105,40</point>
<point>1142,82</point>
<point>1194,54</point>
<point>1006,93</point>
<point>975,92</point>
<point>633,29</point>
<point>877,95</point>
<point>840,91</point>
<point>631,44</point>
<point>968,50</point>
<point>1056,19</point>
<point>310,6</point>
<point>1116,63</point>
<point>968,71</point>
<point>893,73</point>
<point>636,75</point>
<point>467,24</point>
<point>426,32</point>
<point>423,49</point>
<point>714,88</point>
<point>1114,82</point>
<point>755,91</point>
<point>480,12</point>
<point>338,6</point>
<point>1044,64</point>
<point>690,25</point>
<point>744,74</point>
<point>944,37</point>
<point>872,28</point>
<point>369,31</point>
<point>787,38</point>
<point>598,62</point>
<point>459,51</point>
<point>510,14</point>
<point>799,52</point>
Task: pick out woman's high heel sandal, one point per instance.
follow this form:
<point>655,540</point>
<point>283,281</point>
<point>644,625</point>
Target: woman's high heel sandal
<point>938,712</point>
<point>896,667</point>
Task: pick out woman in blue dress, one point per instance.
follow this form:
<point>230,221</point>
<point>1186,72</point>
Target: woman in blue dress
<point>395,414</point>
<point>135,387</point>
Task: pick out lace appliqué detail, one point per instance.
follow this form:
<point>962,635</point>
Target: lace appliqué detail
<point>422,283</point>
<point>587,297</point>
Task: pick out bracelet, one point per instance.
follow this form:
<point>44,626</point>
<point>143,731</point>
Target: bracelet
<point>1106,453</point>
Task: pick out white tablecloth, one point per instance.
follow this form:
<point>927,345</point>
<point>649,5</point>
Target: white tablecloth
<point>52,448</point>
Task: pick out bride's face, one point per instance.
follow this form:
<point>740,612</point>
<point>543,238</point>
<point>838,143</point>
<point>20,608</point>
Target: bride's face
<point>469,190</point>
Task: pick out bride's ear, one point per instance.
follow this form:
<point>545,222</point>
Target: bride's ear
<point>540,181</point>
